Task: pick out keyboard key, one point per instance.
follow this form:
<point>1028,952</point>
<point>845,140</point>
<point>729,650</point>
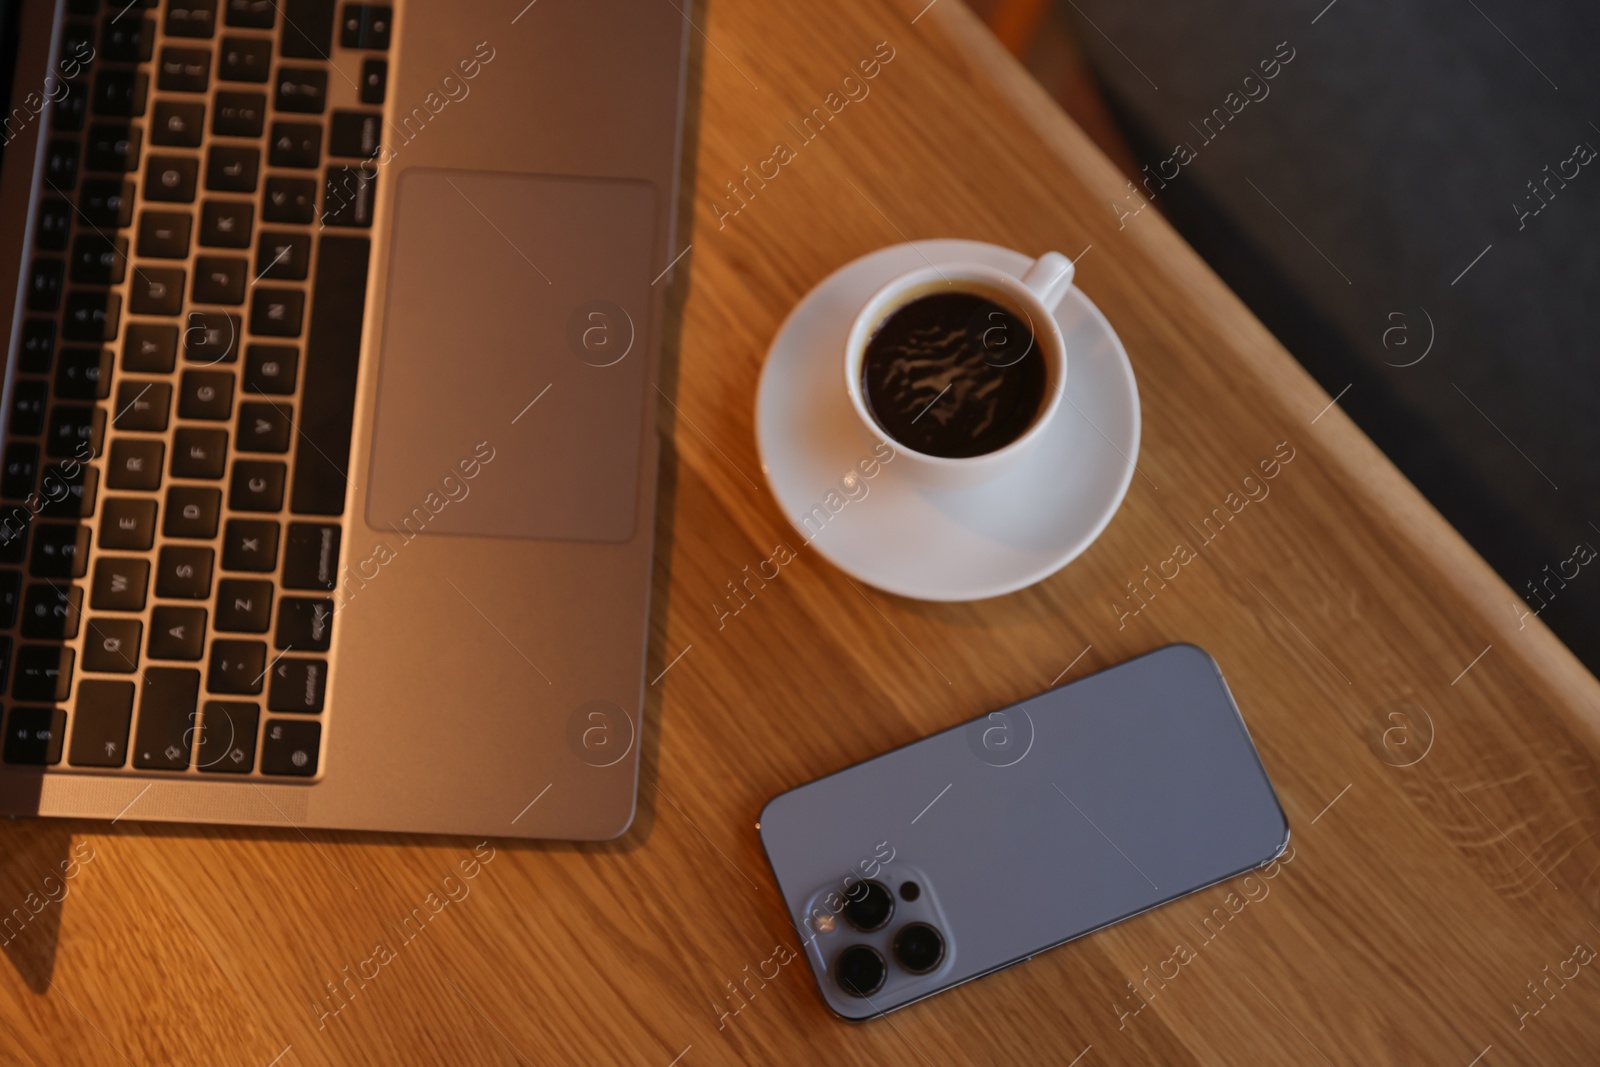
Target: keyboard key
<point>91,315</point>
<point>55,223</point>
<point>366,26</point>
<point>166,719</point>
<point>226,223</point>
<point>311,556</point>
<point>113,148</point>
<point>171,179</point>
<point>120,93</point>
<point>212,336</point>
<point>184,70</point>
<point>250,15</point>
<point>59,551</point>
<point>191,18</point>
<point>178,123</point>
<point>142,406</point>
<point>300,90</point>
<point>135,463</point>
<point>289,200</point>
<point>257,485</point>
<point>176,633</point>
<point>28,399</point>
<point>206,394</point>
<point>97,259</point>
<point>355,134</point>
<point>283,255</point>
<point>77,38</point>
<point>232,168</point>
<point>164,234</point>
<point>100,723</point>
<point>150,348</point>
<point>276,312</point>
<point>156,290</point>
<point>192,511</point>
<point>250,545</point>
<point>290,747</point>
<point>10,601</point>
<point>35,735</point>
<point>38,345</point>
<point>44,673</point>
<point>53,611</point>
<point>74,430</point>
<point>198,453</point>
<point>270,368</point>
<point>106,202</point>
<point>374,80</point>
<point>119,583</point>
<point>295,144</point>
<point>127,40</point>
<point>227,737</point>
<point>184,571</point>
<point>111,646</point>
<point>61,165</point>
<point>333,349</point>
<point>308,28</point>
<point>244,606</point>
<point>45,284</point>
<point>264,427</point>
<point>84,374</point>
<point>245,59</point>
<point>128,524</point>
<point>238,114</point>
<point>68,490</point>
<point>298,685</point>
<point>220,279</point>
<point>348,199</point>
<point>14,538</point>
<point>69,112</point>
<point>237,667</point>
<point>305,624</point>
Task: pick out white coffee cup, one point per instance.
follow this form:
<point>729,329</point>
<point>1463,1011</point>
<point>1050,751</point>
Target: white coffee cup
<point>1032,298</point>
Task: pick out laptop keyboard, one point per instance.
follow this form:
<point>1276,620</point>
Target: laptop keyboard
<point>174,468</point>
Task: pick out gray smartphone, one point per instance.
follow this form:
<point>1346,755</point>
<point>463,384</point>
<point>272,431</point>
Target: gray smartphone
<point>977,847</point>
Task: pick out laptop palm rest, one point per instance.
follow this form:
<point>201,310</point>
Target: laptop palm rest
<point>512,359</point>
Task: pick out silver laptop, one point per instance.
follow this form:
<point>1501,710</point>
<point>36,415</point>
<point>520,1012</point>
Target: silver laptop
<point>329,453</point>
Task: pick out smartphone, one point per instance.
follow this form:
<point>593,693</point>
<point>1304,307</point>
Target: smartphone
<point>978,847</point>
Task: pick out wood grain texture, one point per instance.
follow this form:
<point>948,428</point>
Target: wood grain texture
<point>1404,930</point>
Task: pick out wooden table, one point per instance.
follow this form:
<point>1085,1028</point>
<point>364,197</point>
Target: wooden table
<point>1420,900</point>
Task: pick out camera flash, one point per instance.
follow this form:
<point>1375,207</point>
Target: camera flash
<point>825,924</point>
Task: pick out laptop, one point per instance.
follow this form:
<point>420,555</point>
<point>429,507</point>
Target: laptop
<point>327,481</point>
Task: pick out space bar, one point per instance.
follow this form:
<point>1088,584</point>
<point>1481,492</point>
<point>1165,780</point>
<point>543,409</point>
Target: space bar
<point>328,397</point>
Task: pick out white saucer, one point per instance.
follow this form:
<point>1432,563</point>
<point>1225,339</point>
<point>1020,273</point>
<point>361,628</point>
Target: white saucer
<point>941,544</point>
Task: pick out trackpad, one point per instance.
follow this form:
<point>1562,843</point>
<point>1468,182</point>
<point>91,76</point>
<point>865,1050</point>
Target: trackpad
<point>512,373</point>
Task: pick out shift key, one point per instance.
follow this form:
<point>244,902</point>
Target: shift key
<point>166,719</point>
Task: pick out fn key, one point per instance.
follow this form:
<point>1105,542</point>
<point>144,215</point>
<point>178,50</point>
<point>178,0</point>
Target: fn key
<point>290,747</point>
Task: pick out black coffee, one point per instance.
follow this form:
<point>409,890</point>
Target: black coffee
<point>953,375</point>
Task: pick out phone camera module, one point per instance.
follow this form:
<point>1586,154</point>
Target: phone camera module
<point>868,906</point>
<point>860,971</point>
<point>918,947</point>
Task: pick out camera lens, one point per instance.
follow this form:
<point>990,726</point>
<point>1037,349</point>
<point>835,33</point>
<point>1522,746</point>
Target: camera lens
<point>860,971</point>
<point>919,947</point>
<point>868,906</point>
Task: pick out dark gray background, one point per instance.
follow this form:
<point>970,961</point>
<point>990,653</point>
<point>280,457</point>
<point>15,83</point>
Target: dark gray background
<point>1397,140</point>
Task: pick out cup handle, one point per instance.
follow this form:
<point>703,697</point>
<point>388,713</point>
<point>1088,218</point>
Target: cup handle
<point>1049,278</point>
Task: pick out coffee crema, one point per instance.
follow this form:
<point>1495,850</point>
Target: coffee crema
<point>954,375</point>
